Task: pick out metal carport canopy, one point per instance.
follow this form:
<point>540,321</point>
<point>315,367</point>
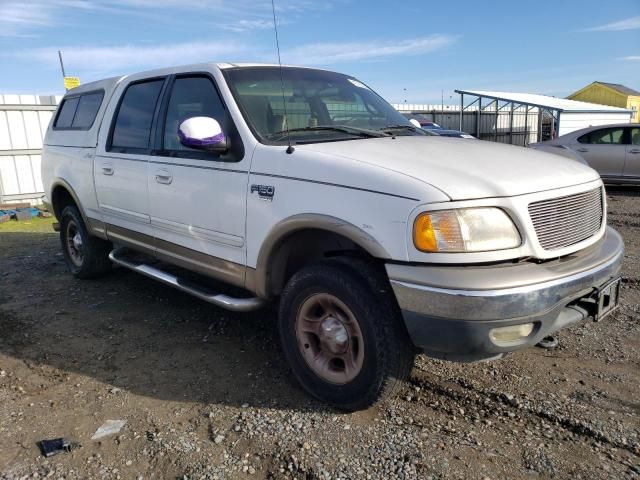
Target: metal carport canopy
<point>554,106</point>
<point>543,101</point>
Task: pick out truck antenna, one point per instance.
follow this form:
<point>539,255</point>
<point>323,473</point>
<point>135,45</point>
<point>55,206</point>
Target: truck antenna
<point>64,75</point>
<point>290,148</point>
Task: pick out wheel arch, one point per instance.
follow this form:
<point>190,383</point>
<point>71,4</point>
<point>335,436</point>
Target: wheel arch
<point>320,235</point>
<point>63,195</point>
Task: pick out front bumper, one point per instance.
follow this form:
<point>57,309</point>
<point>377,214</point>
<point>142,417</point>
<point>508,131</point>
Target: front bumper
<point>450,310</point>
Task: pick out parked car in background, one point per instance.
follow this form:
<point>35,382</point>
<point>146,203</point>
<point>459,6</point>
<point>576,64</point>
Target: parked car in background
<point>612,150</point>
<point>429,125</point>
<point>423,121</point>
<point>433,128</point>
<point>452,133</point>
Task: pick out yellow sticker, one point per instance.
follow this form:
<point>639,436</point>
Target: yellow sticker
<point>71,82</point>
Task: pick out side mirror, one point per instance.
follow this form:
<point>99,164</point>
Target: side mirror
<point>415,123</point>
<point>203,133</point>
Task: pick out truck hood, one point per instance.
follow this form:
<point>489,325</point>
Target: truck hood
<point>464,169</point>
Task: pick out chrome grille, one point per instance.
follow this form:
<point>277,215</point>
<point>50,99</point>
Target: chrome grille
<point>564,221</point>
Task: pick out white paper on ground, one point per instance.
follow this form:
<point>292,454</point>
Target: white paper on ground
<point>109,427</point>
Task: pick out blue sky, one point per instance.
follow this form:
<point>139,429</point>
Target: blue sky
<point>409,50</point>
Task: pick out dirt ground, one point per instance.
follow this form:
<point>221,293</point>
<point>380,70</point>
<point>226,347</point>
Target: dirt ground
<point>206,393</point>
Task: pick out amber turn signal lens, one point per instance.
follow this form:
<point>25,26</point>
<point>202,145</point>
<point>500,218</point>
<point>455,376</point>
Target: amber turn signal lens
<point>479,229</point>
<point>424,235</point>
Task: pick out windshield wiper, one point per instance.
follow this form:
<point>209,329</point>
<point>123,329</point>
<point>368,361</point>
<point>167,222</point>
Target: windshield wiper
<point>361,132</point>
<point>411,128</point>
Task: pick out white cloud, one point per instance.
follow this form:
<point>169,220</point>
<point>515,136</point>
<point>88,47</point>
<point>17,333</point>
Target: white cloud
<point>245,25</point>
<point>111,60</point>
<point>631,23</point>
<point>221,5</point>
<point>15,13</point>
<point>101,61</point>
<point>631,58</point>
<point>17,17</point>
<point>331,53</point>
<point>167,3</point>
<point>23,18</point>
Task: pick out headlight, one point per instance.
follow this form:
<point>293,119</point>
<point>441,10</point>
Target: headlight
<point>465,230</point>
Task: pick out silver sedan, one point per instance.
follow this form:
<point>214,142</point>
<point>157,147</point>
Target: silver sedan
<point>612,150</point>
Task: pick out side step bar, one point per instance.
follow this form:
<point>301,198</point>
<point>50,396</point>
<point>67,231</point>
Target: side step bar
<point>219,299</point>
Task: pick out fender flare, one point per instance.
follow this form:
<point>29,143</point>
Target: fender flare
<point>60,182</point>
<point>258,282</point>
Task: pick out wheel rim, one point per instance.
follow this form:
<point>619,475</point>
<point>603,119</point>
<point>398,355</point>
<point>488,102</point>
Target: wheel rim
<point>74,243</point>
<point>329,338</point>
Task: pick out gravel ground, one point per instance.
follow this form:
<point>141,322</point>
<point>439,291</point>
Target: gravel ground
<point>206,393</point>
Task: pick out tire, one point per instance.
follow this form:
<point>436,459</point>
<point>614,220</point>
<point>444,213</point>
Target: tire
<point>377,356</point>
<point>86,256</point>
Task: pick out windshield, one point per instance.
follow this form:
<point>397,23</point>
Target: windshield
<point>320,106</point>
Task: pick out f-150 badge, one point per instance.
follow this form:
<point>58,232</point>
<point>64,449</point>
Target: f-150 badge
<point>265,192</point>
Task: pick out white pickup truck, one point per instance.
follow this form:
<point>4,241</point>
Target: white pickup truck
<point>305,187</point>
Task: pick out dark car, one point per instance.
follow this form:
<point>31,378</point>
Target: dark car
<point>423,121</point>
<point>452,133</point>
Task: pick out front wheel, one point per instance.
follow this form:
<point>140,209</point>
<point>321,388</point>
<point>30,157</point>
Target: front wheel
<point>343,335</point>
<point>86,256</point>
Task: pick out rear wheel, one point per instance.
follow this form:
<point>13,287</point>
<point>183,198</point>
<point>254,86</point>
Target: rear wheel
<point>343,335</point>
<point>86,256</point>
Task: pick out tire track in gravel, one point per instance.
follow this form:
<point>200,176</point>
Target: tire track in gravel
<point>461,391</point>
<point>623,223</point>
<point>624,214</point>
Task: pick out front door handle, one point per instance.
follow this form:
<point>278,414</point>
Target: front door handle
<point>583,150</point>
<point>163,176</point>
<point>107,169</point>
<point>634,150</point>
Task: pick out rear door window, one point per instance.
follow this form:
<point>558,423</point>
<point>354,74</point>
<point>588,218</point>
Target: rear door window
<point>605,136</point>
<point>87,110</point>
<point>132,127</point>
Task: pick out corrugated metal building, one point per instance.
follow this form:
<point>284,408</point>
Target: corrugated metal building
<point>23,122</point>
<point>555,116</point>
<point>517,127</point>
<point>612,94</point>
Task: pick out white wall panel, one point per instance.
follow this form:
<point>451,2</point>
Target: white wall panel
<point>36,161</point>
<point>24,172</point>
<point>9,176</point>
<point>23,129</point>
<point>570,122</point>
<point>32,129</point>
<point>29,100</point>
<point>16,130</point>
<point>44,118</point>
<point>5,139</point>
<point>11,99</point>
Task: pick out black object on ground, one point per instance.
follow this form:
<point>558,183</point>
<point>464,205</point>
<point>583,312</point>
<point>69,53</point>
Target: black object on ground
<point>53,447</point>
<point>549,342</point>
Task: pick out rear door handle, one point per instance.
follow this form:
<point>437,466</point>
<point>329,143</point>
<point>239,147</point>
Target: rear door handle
<point>107,169</point>
<point>634,150</point>
<point>583,150</point>
<point>163,176</point>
